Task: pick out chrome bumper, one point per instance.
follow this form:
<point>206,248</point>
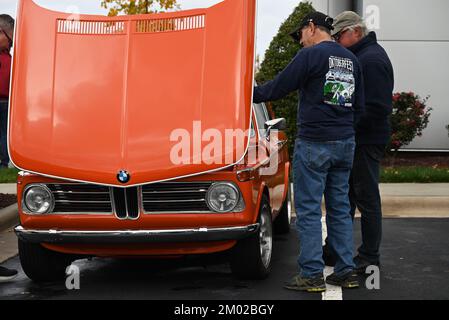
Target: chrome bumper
<point>136,236</point>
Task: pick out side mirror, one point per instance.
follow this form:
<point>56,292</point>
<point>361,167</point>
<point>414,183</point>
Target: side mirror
<point>276,124</point>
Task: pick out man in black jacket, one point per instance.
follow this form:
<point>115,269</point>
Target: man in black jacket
<point>372,131</point>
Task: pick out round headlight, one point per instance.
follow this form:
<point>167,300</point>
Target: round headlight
<point>38,199</point>
<point>223,197</point>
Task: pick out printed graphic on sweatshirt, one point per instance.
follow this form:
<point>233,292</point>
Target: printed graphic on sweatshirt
<point>340,83</point>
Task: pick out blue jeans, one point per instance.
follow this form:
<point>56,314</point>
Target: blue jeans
<point>323,168</point>
<point>3,133</point>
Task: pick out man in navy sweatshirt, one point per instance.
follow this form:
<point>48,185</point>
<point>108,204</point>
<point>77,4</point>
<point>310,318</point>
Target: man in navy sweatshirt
<point>372,131</point>
<point>329,80</point>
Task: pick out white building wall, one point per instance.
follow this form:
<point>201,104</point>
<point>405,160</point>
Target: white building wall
<point>332,7</point>
<point>416,37</point>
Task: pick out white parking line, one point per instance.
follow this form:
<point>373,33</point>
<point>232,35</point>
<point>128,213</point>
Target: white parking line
<point>332,292</point>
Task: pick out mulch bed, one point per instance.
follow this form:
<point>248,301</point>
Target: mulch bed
<point>7,199</point>
<point>412,159</point>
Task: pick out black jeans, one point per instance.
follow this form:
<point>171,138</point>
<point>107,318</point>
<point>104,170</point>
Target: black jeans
<point>3,133</point>
<point>364,194</point>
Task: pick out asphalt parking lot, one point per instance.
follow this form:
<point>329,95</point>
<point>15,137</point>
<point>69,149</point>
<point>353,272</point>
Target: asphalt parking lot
<point>415,265</point>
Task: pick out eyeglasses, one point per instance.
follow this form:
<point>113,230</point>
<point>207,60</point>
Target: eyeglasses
<point>338,35</point>
<point>7,37</point>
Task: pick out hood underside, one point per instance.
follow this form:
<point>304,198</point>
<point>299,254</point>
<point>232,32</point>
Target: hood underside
<point>143,94</point>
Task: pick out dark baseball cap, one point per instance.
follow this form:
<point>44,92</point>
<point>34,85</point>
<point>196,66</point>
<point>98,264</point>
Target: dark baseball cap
<point>317,18</point>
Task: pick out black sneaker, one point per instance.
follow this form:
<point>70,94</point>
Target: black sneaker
<point>348,280</point>
<point>7,274</point>
<point>361,265</point>
<point>329,256</point>
<point>299,283</point>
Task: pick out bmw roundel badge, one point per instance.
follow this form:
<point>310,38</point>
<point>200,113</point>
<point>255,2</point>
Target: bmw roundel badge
<point>123,176</point>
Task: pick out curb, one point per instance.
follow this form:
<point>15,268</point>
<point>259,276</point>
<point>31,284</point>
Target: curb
<point>412,201</point>
<point>9,216</point>
<point>411,207</point>
<point>424,207</point>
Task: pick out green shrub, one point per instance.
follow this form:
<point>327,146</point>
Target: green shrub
<point>281,51</point>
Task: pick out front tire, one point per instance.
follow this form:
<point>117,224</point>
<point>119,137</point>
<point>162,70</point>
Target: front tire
<point>41,264</point>
<point>251,257</point>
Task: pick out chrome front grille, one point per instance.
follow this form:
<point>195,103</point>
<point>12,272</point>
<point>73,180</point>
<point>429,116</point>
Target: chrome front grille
<point>128,203</point>
<point>180,197</point>
<point>81,198</point>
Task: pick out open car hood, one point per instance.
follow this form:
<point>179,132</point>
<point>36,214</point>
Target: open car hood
<point>93,96</point>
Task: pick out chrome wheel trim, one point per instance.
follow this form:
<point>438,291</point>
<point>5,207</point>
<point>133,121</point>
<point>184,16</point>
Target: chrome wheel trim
<point>265,238</point>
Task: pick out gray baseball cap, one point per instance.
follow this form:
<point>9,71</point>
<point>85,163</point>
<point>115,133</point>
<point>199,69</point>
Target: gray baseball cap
<point>344,20</point>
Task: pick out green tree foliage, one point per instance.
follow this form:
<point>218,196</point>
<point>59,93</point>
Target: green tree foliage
<point>129,7</point>
<point>278,55</point>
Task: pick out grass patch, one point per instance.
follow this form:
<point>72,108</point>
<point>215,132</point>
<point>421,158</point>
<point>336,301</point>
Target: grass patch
<point>414,175</point>
<point>8,175</point>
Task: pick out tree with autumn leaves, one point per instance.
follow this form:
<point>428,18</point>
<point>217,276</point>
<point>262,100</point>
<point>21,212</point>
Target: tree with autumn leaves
<point>129,7</point>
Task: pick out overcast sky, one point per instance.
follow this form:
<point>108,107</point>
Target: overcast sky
<point>270,13</point>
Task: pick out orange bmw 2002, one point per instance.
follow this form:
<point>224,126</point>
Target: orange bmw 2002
<point>137,137</point>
